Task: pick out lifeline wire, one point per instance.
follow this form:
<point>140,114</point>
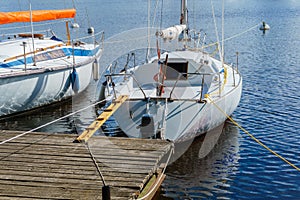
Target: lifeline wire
<point>44,125</point>
<point>254,138</point>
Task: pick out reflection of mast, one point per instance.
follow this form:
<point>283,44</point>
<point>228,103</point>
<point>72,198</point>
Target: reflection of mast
<point>32,34</point>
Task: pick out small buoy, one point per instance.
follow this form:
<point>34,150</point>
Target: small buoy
<point>90,30</point>
<point>74,25</point>
<point>264,27</point>
<point>96,70</point>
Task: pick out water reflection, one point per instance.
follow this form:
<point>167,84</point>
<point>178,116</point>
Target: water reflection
<point>193,177</point>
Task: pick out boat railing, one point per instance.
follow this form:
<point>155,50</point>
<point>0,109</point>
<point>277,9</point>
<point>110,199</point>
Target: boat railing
<point>46,32</point>
<point>202,81</point>
<point>98,38</point>
<point>110,76</point>
<point>77,41</point>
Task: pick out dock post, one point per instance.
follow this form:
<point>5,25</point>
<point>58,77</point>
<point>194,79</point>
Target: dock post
<point>105,192</point>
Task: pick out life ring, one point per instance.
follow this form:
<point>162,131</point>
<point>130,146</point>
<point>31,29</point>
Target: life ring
<point>156,76</point>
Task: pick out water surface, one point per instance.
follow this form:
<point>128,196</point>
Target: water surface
<point>237,168</point>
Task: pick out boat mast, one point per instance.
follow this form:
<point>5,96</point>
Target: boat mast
<point>222,46</point>
<point>149,32</point>
<point>184,19</point>
<point>184,13</point>
<point>32,34</point>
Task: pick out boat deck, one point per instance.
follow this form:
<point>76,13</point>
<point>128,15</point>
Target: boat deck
<point>51,166</point>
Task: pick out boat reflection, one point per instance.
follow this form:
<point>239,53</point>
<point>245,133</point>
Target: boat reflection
<point>198,175</point>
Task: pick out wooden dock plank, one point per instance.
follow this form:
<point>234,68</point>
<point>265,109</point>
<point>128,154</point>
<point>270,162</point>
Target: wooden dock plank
<point>51,166</point>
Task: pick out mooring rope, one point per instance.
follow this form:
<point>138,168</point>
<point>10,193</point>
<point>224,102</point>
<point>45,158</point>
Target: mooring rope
<point>234,36</point>
<point>157,181</point>
<point>95,163</point>
<point>47,124</point>
<point>252,136</point>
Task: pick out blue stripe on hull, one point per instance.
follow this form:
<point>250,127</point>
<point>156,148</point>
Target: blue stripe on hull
<point>38,90</point>
<point>67,52</point>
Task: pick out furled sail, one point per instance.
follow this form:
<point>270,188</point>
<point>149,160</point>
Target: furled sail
<point>171,33</point>
<point>37,15</point>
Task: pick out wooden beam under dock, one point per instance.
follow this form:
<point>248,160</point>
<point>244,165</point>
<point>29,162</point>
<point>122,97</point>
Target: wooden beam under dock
<point>51,166</point>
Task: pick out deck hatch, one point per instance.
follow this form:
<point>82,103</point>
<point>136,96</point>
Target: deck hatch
<point>177,67</point>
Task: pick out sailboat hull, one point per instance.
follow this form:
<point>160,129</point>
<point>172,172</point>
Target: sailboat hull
<point>32,90</point>
<point>184,119</point>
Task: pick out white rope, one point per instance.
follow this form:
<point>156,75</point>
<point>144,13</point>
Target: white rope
<point>234,36</point>
<point>44,125</point>
<point>157,181</point>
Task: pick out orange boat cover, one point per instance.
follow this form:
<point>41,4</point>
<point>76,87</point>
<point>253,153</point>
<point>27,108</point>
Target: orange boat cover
<point>37,15</point>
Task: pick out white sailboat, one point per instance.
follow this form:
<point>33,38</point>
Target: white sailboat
<point>36,70</point>
<point>180,99</point>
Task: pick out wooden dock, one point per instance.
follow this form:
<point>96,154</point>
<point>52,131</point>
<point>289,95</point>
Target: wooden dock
<point>51,166</point>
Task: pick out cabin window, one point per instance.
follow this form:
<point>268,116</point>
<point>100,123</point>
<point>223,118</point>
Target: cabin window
<point>59,53</point>
<point>174,68</point>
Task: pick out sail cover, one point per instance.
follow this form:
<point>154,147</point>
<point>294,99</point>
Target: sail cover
<point>171,33</point>
<point>37,15</point>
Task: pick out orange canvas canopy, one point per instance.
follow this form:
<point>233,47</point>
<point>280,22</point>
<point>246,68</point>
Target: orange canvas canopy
<point>37,15</point>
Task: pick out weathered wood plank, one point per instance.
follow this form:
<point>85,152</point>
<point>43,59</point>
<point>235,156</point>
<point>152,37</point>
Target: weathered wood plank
<point>73,165</point>
<point>51,166</point>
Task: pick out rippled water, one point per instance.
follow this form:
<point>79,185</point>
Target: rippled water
<point>237,168</point>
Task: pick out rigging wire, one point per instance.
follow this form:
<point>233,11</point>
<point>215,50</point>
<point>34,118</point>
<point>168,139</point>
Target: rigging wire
<point>154,15</point>
<point>216,29</point>
<point>222,46</point>
<point>161,14</point>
